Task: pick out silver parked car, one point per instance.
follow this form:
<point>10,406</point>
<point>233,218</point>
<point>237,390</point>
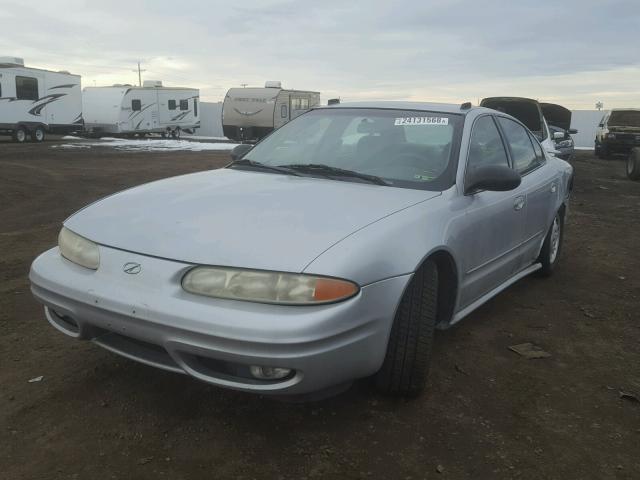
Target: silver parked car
<point>328,252</point>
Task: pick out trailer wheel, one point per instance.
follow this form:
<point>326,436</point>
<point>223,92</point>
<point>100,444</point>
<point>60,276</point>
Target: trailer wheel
<point>176,133</point>
<point>20,135</point>
<point>38,135</point>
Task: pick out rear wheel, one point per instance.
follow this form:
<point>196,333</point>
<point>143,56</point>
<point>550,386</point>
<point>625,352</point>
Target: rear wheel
<point>38,135</point>
<point>20,135</point>
<point>552,246</point>
<point>406,364</point>
<point>633,164</point>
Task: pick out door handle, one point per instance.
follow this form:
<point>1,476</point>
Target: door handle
<point>518,203</point>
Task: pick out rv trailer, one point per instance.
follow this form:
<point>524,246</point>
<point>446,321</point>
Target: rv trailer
<point>125,110</point>
<point>248,114</point>
<point>34,101</point>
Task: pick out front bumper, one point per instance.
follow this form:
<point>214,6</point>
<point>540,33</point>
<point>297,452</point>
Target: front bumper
<point>622,143</point>
<point>149,318</point>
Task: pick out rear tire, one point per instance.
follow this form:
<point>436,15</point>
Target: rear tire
<point>406,364</point>
<point>20,135</point>
<point>633,164</point>
<point>38,135</point>
<point>552,246</point>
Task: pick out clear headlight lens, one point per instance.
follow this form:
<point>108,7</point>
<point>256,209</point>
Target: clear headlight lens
<point>565,143</point>
<point>78,249</point>
<point>266,287</point>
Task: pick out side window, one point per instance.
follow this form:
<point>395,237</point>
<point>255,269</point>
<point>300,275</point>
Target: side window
<point>283,111</point>
<point>136,105</point>
<point>26,88</point>
<point>184,104</point>
<point>172,104</point>
<point>304,103</point>
<point>195,107</point>
<point>522,153</point>
<point>485,146</point>
<point>537,148</point>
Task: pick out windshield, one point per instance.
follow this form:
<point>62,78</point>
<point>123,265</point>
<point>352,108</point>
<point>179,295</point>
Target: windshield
<point>625,118</point>
<point>409,149</point>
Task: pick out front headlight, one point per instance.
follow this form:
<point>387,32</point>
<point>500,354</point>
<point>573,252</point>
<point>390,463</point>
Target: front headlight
<point>78,249</point>
<point>565,143</point>
<point>267,287</point>
<point>611,136</point>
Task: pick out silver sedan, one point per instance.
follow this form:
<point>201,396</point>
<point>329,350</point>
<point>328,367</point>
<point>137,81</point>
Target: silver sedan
<point>329,251</point>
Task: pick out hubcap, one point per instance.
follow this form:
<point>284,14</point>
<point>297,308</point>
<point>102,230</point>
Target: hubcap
<point>21,135</point>
<point>630,165</point>
<point>39,135</point>
<point>555,240</point>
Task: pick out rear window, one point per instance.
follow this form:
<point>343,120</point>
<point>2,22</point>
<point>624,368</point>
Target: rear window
<point>172,104</point>
<point>625,118</point>
<point>136,105</point>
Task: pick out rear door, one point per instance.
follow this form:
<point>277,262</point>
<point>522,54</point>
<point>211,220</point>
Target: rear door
<point>539,185</point>
<point>494,221</point>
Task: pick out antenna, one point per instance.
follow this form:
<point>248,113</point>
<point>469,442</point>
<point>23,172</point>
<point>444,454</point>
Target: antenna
<point>139,74</point>
<point>244,85</point>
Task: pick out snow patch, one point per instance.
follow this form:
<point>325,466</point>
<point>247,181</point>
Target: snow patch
<point>149,145</point>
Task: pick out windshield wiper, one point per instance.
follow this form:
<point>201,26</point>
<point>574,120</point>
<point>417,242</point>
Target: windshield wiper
<point>329,171</point>
<point>245,162</point>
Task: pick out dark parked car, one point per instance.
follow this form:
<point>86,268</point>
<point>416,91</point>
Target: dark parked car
<point>618,132</point>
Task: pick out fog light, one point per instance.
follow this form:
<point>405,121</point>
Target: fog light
<point>269,373</point>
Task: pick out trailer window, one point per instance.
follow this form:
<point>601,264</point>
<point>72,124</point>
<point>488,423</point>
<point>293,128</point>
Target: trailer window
<point>172,104</point>
<point>184,104</point>
<point>195,107</point>
<point>26,88</point>
<point>136,105</point>
<point>283,111</point>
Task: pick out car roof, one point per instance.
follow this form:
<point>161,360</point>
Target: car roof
<point>420,106</point>
<point>625,109</point>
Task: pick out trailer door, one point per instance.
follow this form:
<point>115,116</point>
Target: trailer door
<point>281,110</point>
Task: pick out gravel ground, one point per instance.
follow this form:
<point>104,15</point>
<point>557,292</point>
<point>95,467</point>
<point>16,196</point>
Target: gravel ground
<point>487,413</point>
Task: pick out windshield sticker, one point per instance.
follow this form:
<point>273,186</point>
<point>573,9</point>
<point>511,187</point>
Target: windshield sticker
<point>407,121</point>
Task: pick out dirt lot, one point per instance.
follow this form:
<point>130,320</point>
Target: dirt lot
<point>488,413</point>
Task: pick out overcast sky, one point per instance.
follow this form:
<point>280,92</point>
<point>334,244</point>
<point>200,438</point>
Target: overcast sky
<point>574,52</point>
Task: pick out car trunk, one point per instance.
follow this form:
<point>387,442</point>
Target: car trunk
<point>556,115</point>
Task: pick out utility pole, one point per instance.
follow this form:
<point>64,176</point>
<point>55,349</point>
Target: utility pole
<point>139,74</point>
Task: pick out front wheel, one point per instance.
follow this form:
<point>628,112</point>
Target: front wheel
<point>20,135</point>
<point>38,135</point>
<point>406,364</point>
<point>633,164</point>
<point>552,246</point>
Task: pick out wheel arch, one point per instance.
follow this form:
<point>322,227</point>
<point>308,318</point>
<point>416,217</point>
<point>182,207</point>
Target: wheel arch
<point>448,283</point>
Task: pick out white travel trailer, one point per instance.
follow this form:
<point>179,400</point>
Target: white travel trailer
<point>248,114</point>
<point>35,101</point>
<point>127,110</point>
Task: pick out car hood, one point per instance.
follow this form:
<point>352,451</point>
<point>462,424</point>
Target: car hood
<point>526,110</point>
<point>557,115</point>
<point>239,218</point>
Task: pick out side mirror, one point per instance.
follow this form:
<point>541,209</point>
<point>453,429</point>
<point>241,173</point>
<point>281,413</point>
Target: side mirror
<point>572,131</point>
<point>240,151</point>
<point>558,135</point>
<point>494,178</point>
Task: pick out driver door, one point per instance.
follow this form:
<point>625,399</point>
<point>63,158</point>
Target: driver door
<point>494,222</point>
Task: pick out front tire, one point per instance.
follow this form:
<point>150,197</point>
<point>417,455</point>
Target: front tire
<point>38,135</point>
<point>552,246</point>
<point>633,164</point>
<point>20,135</point>
<point>406,364</point>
